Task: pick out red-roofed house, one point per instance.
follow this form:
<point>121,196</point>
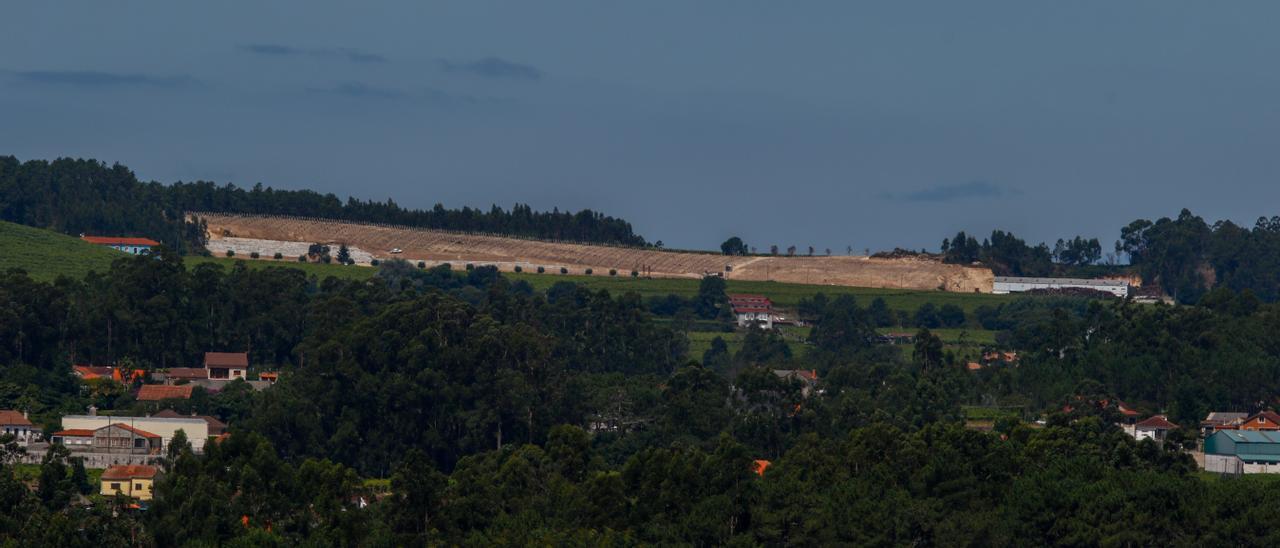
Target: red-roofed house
<point>754,310</point>
<point>125,439</point>
<point>75,439</point>
<point>131,481</point>
<point>157,392</point>
<point>16,423</point>
<point>135,246</point>
<point>227,365</point>
<point>174,375</point>
<point>1266,420</point>
<point>1154,428</point>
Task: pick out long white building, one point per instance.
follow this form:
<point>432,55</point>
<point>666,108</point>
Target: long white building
<point>196,429</point>
<point>1012,284</point>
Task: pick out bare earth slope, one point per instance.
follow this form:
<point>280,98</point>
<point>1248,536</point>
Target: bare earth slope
<point>436,246</point>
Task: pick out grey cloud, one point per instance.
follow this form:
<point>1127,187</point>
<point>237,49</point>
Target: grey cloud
<point>99,79</point>
<point>433,96</point>
<point>360,90</point>
<point>279,50</point>
<point>492,67</point>
<point>954,192</point>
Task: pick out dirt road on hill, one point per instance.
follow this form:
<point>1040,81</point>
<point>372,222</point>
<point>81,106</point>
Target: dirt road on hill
<point>436,246</point>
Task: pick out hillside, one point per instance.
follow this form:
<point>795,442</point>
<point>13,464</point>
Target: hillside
<point>434,246</point>
<point>46,254</point>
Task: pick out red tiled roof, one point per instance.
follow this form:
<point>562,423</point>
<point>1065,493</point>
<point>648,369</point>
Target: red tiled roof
<point>187,373</point>
<point>1265,420</point>
<point>129,472</point>
<point>75,433</point>
<point>743,309</point>
<point>13,418</point>
<point>973,366</point>
<point>760,465</point>
<point>113,240</point>
<point>92,371</point>
<point>157,392</point>
<point>226,359</point>
<point>1157,422</point>
<point>136,431</point>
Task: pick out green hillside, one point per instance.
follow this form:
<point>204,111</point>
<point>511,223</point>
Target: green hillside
<point>46,254</point>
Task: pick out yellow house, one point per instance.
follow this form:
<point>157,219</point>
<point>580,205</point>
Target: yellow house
<point>131,481</point>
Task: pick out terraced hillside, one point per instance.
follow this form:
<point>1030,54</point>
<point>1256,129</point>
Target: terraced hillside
<point>436,246</point>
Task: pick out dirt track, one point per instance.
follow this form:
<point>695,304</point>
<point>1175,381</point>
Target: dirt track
<point>441,246</point>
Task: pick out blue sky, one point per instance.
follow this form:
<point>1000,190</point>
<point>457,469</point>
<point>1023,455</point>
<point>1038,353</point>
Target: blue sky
<point>830,124</point>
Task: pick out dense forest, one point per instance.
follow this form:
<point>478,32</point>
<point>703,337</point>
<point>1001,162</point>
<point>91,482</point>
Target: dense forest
<point>85,196</point>
<point>486,412</point>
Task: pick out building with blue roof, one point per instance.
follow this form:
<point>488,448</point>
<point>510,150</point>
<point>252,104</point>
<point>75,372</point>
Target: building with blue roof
<point>1242,452</point>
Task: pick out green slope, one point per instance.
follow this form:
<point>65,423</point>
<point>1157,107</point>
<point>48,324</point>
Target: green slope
<point>45,254</point>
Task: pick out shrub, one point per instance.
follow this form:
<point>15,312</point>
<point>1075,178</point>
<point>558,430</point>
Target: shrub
<point>470,267</point>
<point>231,253</point>
<point>254,255</point>
<point>541,270</point>
<point>302,258</point>
<point>635,274</point>
<point>278,256</point>
<point>447,266</point>
<point>326,259</point>
<point>613,272</point>
<point>422,264</point>
<point>564,270</point>
<point>588,271</point>
<point>518,269</point>
<point>372,262</point>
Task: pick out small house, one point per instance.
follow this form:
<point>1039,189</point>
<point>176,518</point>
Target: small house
<point>179,375</point>
<point>133,246</point>
<point>76,440</point>
<point>17,425</point>
<point>227,365</point>
<point>121,438</point>
<point>1154,428</point>
<point>136,481</point>
<point>752,310</point>
<point>1220,420</point>
<point>1265,420</point>
<point>157,392</point>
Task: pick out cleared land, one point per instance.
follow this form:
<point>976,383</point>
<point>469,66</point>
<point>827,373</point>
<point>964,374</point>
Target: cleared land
<point>45,254</point>
<point>436,246</point>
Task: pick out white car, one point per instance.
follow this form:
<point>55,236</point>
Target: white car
<point>397,250</point>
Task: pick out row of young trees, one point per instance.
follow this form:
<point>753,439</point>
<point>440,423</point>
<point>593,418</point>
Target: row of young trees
<point>76,196</point>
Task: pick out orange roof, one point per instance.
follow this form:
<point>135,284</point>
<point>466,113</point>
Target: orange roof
<point>760,465</point>
<point>75,433</point>
<point>112,240</point>
<point>268,376</point>
<point>129,472</point>
<point>92,371</point>
<point>973,366</point>
<point>226,359</point>
<point>157,392</point>
<point>136,431</point>
<point>13,418</point>
<point>1157,422</point>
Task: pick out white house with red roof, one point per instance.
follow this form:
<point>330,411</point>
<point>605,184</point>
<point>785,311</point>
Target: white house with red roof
<point>134,246</point>
<point>1154,428</point>
<point>756,310</point>
<point>16,424</point>
<point>227,365</point>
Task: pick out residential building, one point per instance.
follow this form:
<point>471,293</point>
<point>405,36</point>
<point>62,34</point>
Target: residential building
<point>1015,284</point>
<point>1155,428</point>
<point>197,430</point>
<point>136,481</point>
<point>135,246</point>
<point>1265,420</point>
<point>157,392</point>
<point>90,372</point>
<point>177,375</point>
<point>76,440</point>
<point>124,439</point>
<point>753,310</point>
<point>227,365</point>
<point>216,427</point>
<point>269,377</point>
<point>16,424</point>
<point>1219,420</point>
<point>1242,452</point>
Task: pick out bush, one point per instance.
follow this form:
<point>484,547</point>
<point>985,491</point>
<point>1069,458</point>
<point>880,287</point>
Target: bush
<point>613,272</point>
<point>302,258</point>
<point>951,315</point>
<point>231,253</point>
<point>278,256</point>
<point>447,266</point>
<point>372,262</point>
<point>635,274</point>
<point>588,272</point>
<point>254,255</point>
<point>518,269</point>
<point>422,264</point>
<point>470,267</point>
<point>564,270</point>
<point>541,270</point>
<point>326,259</point>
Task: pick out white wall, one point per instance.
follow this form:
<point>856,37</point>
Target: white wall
<point>1222,464</point>
<point>197,430</point>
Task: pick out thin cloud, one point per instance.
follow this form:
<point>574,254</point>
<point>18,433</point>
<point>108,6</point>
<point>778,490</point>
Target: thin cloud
<point>360,90</point>
<point>432,96</point>
<point>493,67</point>
<point>954,192</point>
<point>347,54</point>
<point>99,79</point>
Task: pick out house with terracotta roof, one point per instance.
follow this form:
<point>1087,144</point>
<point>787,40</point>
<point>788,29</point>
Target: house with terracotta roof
<point>136,481</point>
<point>753,310</point>
<point>1154,428</point>
<point>1220,420</point>
<point>227,365</point>
<point>77,440</point>
<point>16,424</point>
<point>179,375</point>
<point>195,429</point>
<point>1265,420</point>
<point>134,246</point>
<point>157,392</point>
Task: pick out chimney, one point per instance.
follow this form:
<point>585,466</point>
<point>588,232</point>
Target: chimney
<point>24,414</point>
<point>93,410</point>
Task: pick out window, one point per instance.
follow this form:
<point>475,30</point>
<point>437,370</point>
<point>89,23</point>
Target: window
<point>137,486</point>
<point>139,442</point>
<point>115,486</point>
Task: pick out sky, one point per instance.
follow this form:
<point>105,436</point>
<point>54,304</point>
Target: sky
<point>843,124</point>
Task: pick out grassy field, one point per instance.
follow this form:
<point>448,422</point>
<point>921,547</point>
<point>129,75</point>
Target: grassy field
<point>45,254</point>
<point>312,269</point>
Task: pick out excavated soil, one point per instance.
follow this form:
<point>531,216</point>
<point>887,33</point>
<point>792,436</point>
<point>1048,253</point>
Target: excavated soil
<point>438,246</point>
